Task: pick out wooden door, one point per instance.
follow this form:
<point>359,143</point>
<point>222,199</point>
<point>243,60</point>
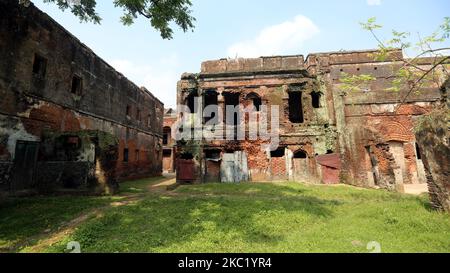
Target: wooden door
<point>24,165</point>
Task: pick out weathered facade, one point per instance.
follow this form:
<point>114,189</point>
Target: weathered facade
<point>169,144</point>
<point>68,120</point>
<point>327,135</point>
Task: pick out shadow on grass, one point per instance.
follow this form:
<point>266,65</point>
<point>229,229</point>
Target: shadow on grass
<point>25,217</point>
<point>203,223</point>
<point>424,200</point>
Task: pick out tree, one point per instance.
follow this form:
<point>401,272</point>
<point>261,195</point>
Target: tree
<point>160,13</point>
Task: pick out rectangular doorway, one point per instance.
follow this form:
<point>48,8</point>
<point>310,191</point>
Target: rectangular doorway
<point>24,165</point>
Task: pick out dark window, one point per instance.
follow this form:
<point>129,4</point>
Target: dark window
<point>300,154</point>
<point>277,153</point>
<point>315,96</point>
<point>212,154</point>
<point>211,99</point>
<point>128,110</point>
<point>295,107</point>
<point>39,66</point>
<point>190,101</point>
<point>125,155</point>
<point>232,99</point>
<point>330,152</point>
<point>167,153</point>
<point>187,156</point>
<point>418,152</point>
<point>257,102</point>
<point>166,135</point>
<point>77,85</point>
<point>138,114</point>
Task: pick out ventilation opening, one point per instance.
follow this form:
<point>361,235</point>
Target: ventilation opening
<point>277,153</point>
<point>77,85</point>
<point>418,152</point>
<point>186,156</point>
<point>315,96</point>
<point>300,154</point>
<point>125,155</point>
<point>211,100</point>
<point>39,66</point>
<point>329,152</point>
<point>232,100</point>
<point>296,107</point>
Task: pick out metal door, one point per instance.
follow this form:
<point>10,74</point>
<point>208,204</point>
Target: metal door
<point>186,170</point>
<point>234,168</point>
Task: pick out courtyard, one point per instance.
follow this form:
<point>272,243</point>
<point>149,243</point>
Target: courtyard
<point>248,217</point>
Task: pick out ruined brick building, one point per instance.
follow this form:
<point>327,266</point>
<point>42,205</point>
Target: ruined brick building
<point>363,138</point>
<point>169,144</point>
<point>68,120</point>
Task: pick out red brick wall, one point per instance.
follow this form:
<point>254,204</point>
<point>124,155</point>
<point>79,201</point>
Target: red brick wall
<point>278,166</point>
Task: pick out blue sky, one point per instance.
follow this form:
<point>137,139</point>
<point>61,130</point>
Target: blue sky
<point>243,28</point>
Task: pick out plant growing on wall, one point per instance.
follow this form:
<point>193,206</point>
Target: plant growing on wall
<point>410,76</point>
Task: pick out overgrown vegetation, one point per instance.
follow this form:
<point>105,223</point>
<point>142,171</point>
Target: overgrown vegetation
<point>250,217</point>
<point>410,76</point>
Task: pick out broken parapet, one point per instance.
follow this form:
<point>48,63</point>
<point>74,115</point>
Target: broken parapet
<point>295,62</point>
<point>253,64</point>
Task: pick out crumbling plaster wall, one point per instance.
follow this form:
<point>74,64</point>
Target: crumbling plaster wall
<point>33,103</point>
<point>271,79</point>
<point>372,118</point>
<point>371,132</point>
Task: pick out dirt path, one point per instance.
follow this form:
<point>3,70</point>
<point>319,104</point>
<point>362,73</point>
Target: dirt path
<point>164,186</point>
<point>416,189</point>
<point>40,242</point>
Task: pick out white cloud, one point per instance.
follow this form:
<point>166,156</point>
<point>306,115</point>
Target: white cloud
<point>284,38</point>
<point>373,2</point>
<point>161,80</point>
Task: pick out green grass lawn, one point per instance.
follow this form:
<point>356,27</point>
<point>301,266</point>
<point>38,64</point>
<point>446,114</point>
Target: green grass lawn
<point>284,217</point>
<point>23,218</point>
